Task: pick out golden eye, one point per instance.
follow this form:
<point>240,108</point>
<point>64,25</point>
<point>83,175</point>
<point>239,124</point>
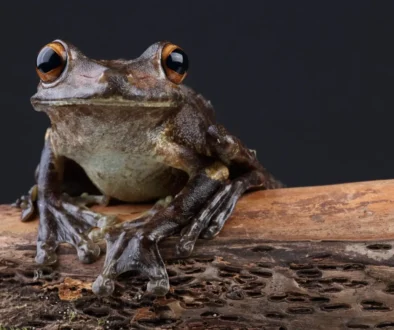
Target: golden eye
<point>51,61</point>
<point>175,63</point>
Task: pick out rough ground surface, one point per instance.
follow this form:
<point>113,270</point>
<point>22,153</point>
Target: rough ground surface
<point>320,258</point>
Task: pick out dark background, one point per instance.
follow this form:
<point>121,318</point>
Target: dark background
<point>309,85</point>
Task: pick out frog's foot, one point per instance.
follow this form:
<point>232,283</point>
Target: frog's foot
<point>190,233</point>
<point>61,221</point>
<point>212,218</point>
<point>221,215</point>
<point>128,249</point>
<point>28,204</point>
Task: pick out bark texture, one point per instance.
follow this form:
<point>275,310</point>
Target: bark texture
<point>299,258</point>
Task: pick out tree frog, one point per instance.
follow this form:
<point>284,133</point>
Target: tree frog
<point>130,131</point>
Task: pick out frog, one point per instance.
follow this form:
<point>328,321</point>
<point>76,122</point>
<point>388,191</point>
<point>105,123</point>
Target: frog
<point>131,131</point>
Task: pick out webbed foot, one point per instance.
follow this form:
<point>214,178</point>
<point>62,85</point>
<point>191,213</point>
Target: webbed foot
<point>28,203</point>
<point>213,216</point>
<point>130,250</point>
<point>190,233</point>
<point>62,221</point>
<point>66,220</point>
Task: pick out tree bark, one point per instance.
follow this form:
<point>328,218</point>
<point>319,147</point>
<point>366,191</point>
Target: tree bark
<point>297,258</point>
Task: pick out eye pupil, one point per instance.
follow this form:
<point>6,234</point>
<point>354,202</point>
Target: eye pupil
<point>48,60</point>
<point>178,61</point>
<point>175,63</point>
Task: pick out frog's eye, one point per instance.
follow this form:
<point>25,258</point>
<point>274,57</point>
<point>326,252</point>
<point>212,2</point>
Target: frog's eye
<point>51,61</point>
<point>175,63</point>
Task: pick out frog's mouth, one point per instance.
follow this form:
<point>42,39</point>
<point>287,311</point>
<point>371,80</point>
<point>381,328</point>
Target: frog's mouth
<point>110,102</point>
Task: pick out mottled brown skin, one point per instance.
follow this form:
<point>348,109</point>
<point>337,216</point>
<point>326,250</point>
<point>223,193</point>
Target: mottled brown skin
<point>138,136</point>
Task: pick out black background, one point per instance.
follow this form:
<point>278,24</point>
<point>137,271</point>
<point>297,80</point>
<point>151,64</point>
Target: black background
<point>309,85</point>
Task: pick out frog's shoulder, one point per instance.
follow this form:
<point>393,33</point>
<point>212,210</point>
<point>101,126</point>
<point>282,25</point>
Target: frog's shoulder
<point>190,124</point>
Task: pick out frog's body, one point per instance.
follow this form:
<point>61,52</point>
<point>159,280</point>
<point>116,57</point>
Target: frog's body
<point>139,135</point>
<point>123,165</point>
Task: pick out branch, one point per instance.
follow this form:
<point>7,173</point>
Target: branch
<point>314,257</point>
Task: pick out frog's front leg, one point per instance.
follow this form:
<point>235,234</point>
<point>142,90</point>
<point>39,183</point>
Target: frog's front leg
<point>130,249</point>
<point>60,219</point>
<point>247,174</point>
<point>212,219</point>
<point>76,191</point>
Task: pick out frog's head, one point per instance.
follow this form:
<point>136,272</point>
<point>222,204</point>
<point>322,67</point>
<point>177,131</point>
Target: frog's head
<point>69,78</point>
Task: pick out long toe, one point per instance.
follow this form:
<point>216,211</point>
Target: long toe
<point>158,287</point>
<point>103,286</point>
<point>88,251</point>
<point>46,253</point>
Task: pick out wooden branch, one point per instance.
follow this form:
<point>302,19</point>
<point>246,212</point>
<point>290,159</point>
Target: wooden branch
<point>315,258</point>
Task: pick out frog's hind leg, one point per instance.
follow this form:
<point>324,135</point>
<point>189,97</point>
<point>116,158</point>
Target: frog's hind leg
<point>247,173</point>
